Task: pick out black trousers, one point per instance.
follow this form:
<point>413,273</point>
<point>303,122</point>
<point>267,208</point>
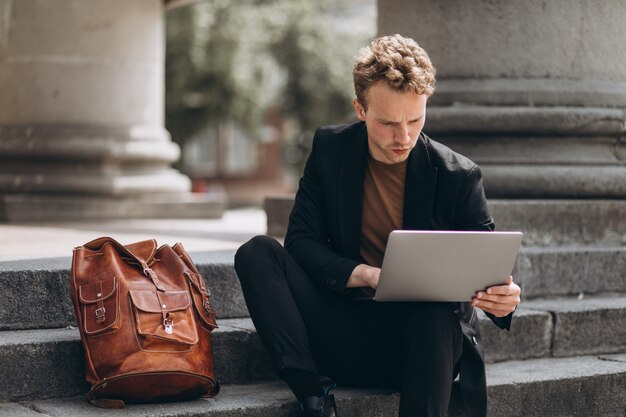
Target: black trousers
<point>412,347</point>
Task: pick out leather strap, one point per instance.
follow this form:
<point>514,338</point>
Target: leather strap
<point>104,402</point>
<point>108,403</point>
<point>152,275</point>
<point>100,310</point>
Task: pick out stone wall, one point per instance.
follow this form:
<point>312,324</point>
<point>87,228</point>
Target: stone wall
<point>533,91</point>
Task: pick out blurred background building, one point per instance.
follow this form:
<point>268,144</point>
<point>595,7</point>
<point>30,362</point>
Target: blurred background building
<point>98,98</point>
<point>248,82</point>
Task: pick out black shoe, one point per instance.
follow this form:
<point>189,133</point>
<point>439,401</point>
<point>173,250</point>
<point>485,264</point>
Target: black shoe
<point>317,407</point>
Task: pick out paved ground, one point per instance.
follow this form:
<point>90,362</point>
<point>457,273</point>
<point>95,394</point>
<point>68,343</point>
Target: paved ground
<point>56,239</point>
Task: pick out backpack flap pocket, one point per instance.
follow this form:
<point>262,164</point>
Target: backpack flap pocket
<point>99,306</point>
<point>164,320</point>
<point>201,300</point>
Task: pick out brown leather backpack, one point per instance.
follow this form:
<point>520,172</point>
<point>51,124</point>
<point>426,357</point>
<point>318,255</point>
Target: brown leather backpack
<point>145,321</point>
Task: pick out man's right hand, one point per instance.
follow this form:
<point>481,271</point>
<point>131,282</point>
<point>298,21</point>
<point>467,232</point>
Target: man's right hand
<point>364,276</point>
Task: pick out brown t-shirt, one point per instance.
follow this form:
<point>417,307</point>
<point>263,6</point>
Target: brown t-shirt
<point>383,205</point>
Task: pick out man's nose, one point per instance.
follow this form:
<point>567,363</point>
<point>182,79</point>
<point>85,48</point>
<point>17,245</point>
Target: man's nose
<point>402,134</point>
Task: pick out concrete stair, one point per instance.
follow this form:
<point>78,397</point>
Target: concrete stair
<point>544,222</point>
<point>578,386</point>
<point>542,329</point>
<point>41,287</point>
<point>564,356</point>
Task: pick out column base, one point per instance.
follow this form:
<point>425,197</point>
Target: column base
<point>554,181</point>
<point>538,152</point>
<point>77,159</point>
<point>32,208</point>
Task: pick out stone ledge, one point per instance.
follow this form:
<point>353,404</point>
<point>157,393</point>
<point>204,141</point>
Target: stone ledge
<point>34,207</point>
<point>36,293</point>
<point>240,357</point>
<point>88,143</point>
<point>25,355</point>
<point>563,222</point>
<point>587,326</point>
<point>531,120</point>
<point>277,209</point>
<point>544,222</point>
<point>556,181</point>
<point>581,386</point>
<point>530,336</point>
<point>529,92</point>
<point>533,388</point>
<point>571,270</point>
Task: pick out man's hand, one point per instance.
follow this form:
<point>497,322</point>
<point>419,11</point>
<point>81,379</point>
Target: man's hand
<point>364,276</point>
<point>499,300</point>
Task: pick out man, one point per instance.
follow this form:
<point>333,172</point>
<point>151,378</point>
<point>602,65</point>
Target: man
<point>360,182</point>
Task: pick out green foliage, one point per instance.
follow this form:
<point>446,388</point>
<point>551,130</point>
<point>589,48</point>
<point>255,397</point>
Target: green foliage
<point>233,60</point>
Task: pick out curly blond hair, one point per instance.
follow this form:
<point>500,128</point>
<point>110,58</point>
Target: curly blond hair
<point>397,60</point>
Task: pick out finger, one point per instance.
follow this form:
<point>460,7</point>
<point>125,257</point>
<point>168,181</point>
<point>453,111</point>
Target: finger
<point>494,308</point>
<point>510,284</point>
<point>501,299</point>
<point>509,289</point>
<point>492,305</point>
<point>500,290</point>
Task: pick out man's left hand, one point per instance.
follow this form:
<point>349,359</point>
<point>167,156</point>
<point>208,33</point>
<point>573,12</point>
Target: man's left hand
<point>499,300</point>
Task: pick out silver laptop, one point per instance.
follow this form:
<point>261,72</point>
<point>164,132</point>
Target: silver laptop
<point>445,265</point>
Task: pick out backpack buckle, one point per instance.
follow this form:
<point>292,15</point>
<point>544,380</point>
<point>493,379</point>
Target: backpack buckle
<point>168,324</point>
<point>100,315</point>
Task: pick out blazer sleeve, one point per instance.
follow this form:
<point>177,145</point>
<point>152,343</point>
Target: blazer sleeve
<point>307,239</point>
<point>472,213</point>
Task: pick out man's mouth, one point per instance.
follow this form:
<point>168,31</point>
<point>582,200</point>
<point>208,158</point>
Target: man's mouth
<point>400,151</point>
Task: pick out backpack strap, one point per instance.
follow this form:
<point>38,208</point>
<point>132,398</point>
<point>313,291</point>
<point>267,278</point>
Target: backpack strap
<point>109,403</point>
<point>139,253</point>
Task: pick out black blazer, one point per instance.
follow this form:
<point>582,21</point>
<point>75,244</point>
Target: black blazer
<point>443,191</point>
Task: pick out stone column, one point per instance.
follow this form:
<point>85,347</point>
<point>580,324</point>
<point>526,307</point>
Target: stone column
<point>533,91</point>
<point>81,112</point>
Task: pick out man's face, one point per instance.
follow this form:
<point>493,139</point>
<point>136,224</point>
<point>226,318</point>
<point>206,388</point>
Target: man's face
<point>394,120</point>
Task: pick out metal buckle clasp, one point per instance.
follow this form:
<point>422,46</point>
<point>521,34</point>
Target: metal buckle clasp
<point>168,324</point>
<point>100,314</point>
<point>207,306</point>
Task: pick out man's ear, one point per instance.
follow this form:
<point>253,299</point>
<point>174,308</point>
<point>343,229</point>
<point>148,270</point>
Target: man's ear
<point>358,108</point>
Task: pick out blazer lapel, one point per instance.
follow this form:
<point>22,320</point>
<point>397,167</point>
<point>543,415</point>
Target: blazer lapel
<point>350,193</point>
<point>419,188</point>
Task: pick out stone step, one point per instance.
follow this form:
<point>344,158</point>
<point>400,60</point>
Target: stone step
<point>570,270</point>
<point>585,326</point>
<point>58,354</point>
<point>575,327</point>
<point>563,222</point>
<point>17,208</point>
<point>563,327</point>
<point>578,386</point>
<point>35,293</point>
<point>544,222</point>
